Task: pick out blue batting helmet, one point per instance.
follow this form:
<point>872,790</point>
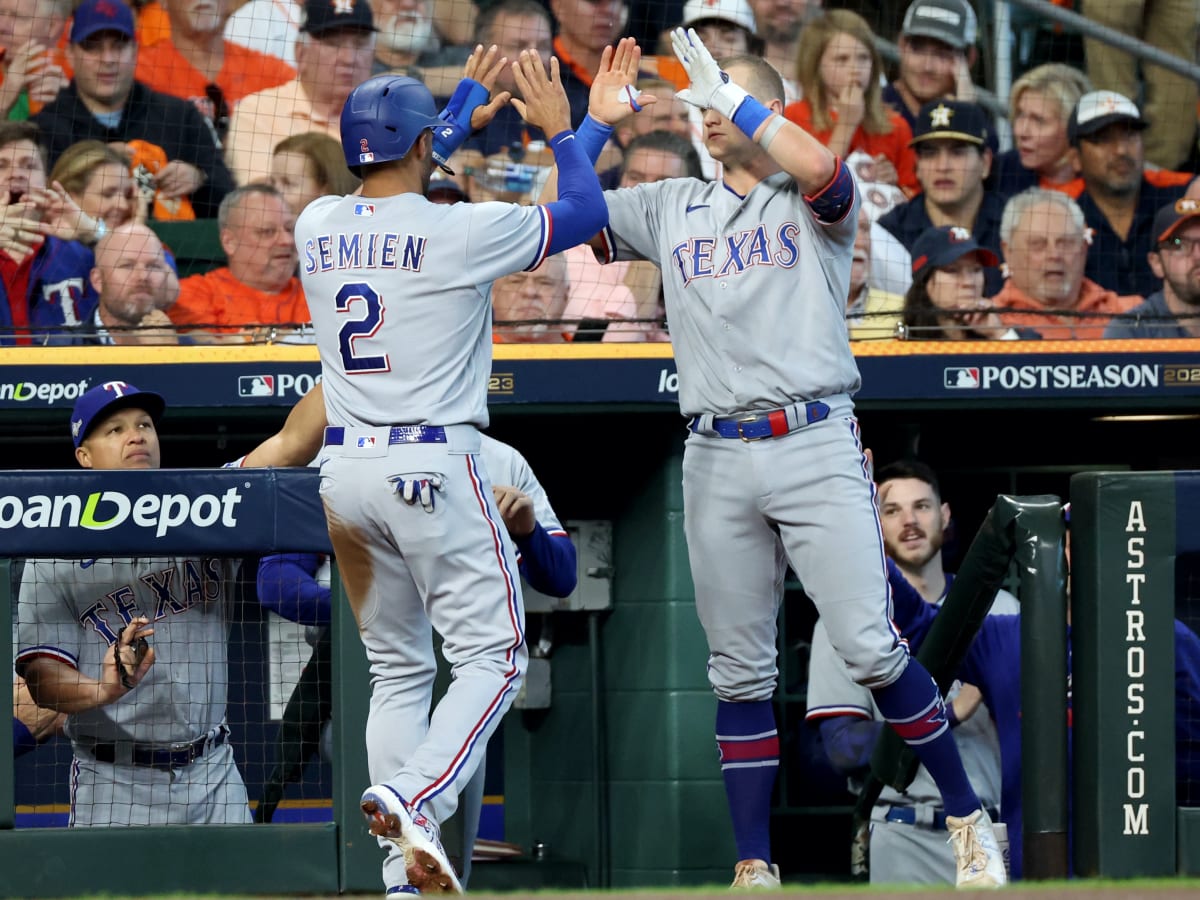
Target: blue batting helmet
<point>383,117</point>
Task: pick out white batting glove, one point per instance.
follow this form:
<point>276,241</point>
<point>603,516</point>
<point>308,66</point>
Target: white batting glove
<point>710,87</point>
<point>417,490</point>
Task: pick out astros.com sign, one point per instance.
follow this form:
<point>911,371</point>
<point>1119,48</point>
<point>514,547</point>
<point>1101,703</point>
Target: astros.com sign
<point>105,510</point>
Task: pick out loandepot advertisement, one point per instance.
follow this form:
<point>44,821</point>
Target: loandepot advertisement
<point>230,512</point>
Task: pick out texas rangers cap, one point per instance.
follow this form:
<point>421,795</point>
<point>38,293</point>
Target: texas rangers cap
<point>321,16</point>
<point>1098,110</point>
<point>443,189</point>
<point>94,16</point>
<point>952,120</point>
<point>939,247</point>
<point>736,11</point>
<point>952,22</point>
<point>1173,216</point>
<point>108,397</point>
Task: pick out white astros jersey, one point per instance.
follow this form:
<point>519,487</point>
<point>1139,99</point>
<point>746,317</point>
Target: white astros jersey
<point>70,610</point>
<point>740,343</point>
<point>402,286</point>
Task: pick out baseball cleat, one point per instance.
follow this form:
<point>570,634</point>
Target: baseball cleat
<point>754,874</point>
<point>425,862</point>
<point>980,862</point>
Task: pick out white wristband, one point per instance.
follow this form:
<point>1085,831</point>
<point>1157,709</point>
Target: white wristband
<point>769,132</point>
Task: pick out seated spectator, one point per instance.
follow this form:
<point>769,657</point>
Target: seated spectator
<point>97,178</point>
<point>952,163</point>
<point>407,41</point>
<point>585,28</point>
<point>1040,106</point>
<point>104,102</point>
<point>444,189</point>
<point>43,265</point>
<point>334,52</point>
<point>32,67</point>
<point>199,65</point>
<point>946,299</point>
<point>937,50</point>
<point>839,70</point>
<point>1120,197</point>
<point>136,286</point>
<point>604,298</point>
<point>513,26</point>
<point>527,307</point>
<point>310,165</point>
<point>780,24</point>
<point>870,312</point>
<point>727,27</point>
<point>1045,245</point>
<point>268,26</point>
<point>258,292</point>
<point>1174,311</point>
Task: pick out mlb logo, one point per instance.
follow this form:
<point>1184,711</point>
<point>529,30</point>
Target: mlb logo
<point>364,209</point>
<point>256,385</point>
<point>365,441</point>
<point>366,157</point>
<point>959,378</point>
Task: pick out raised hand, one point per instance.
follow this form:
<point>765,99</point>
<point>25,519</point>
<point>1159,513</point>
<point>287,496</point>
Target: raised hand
<point>61,216</point>
<point>850,106</point>
<point>485,68</point>
<point>704,75</point>
<point>614,95</point>
<point>545,103</point>
<point>20,229</point>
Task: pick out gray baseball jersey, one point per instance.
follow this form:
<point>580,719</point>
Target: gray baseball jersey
<point>399,291</point>
<point>70,611</point>
<point>900,852</point>
<point>754,286</point>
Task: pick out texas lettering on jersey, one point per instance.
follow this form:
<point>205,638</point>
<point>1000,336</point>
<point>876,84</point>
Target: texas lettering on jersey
<point>174,591</point>
<point>709,257</point>
<point>373,250</point>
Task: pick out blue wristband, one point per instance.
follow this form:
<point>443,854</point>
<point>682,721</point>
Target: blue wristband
<point>749,115</point>
<point>592,135</point>
<point>467,97</point>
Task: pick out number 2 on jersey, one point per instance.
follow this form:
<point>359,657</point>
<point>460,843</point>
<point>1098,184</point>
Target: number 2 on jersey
<point>363,307</point>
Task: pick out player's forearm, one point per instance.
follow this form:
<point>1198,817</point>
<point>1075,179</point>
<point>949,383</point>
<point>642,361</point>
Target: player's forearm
<point>300,438</point>
<point>548,562</point>
<point>67,690</point>
<point>798,153</point>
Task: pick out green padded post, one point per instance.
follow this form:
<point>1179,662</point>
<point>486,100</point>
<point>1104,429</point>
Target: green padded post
<point>8,813</point>
<point>1123,614</point>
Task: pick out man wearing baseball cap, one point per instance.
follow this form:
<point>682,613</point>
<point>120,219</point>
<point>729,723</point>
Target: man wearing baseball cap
<point>1174,311</point>
<point>953,159</point>
<point>145,702</point>
<point>335,50</point>
<point>937,50</point>
<point>104,102</point>
<point>1120,197</point>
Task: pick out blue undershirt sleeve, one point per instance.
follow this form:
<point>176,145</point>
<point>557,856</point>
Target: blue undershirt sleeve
<point>580,212</point>
<point>548,562</point>
<point>287,585</point>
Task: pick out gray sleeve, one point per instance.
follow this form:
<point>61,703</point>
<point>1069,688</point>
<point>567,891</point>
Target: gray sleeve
<point>633,221</point>
<point>46,623</point>
<point>506,466</point>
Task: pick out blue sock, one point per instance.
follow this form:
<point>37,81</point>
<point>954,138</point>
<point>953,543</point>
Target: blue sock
<point>749,746</point>
<point>914,708</point>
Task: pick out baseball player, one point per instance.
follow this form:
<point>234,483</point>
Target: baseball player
<point>146,720</point>
<point>398,289</point>
<point>755,275</point>
<point>907,840</point>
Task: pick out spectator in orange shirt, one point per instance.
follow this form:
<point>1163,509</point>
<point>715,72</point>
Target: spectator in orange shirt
<point>1045,244</point>
<point>199,65</point>
<point>534,299</point>
<point>258,293</point>
<point>34,65</point>
<point>838,69</point>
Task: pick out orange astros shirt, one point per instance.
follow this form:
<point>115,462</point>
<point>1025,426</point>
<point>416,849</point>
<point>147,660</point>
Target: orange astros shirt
<point>161,67</point>
<point>218,302</point>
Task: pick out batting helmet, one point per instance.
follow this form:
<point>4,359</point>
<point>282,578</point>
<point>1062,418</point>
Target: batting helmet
<point>383,117</point>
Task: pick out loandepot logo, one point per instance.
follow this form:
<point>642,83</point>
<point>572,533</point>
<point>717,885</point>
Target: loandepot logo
<point>49,392</point>
<point>104,510</point>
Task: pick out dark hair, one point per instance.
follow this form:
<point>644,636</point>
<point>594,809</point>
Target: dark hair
<point>11,132</point>
<point>514,8</point>
<point>909,468</point>
<point>667,142</point>
<point>920,315</point>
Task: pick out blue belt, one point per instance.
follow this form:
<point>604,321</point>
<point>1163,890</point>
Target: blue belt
<point>335,435</point>
<point>907,815</point>
<point>758,426</point>
<point>165,758</point>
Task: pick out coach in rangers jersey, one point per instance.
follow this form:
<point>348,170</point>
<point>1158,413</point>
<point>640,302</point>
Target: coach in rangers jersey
<point>146,720</point>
